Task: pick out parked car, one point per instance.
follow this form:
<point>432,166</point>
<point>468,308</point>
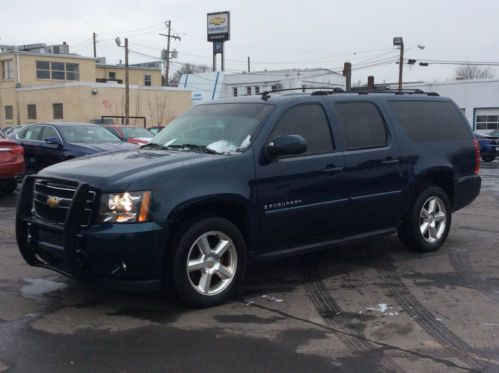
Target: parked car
<point>155,130</point>
<point>4,130</point>
<point>49,143</point>
<point>11,132</point>
<point>11,164</point>
<point>489,146</point>
<point>254,178</point>
<point>134,135</point>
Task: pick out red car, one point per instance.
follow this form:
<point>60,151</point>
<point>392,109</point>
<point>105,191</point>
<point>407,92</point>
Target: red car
<point>134,135</point>
<point>11,164</point>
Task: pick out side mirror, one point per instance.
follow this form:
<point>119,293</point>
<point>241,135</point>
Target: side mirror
<point>53,141</point>
<point>287,145</point>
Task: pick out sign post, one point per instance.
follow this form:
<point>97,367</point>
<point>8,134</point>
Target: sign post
<point>218,32</point>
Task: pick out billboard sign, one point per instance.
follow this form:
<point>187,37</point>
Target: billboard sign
<point>218,26</point>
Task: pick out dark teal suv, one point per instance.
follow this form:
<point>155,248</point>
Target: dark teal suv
<point>253,178</point>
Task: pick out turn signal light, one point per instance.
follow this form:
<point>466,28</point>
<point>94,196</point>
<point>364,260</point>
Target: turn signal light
<point>477,156</point>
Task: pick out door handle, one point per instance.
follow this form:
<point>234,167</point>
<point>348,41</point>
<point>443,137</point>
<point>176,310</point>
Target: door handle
<point>390,160</point>
<point>332,168</point>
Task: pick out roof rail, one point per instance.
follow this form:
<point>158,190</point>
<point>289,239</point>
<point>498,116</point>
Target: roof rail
<point>397,92</point>
<point>266,94</point>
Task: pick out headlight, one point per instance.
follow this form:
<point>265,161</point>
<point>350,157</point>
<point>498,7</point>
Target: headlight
<point>128,207</point>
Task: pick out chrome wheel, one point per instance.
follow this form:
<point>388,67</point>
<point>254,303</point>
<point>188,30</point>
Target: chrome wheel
<point>432,219</point>
<point>211,263</point>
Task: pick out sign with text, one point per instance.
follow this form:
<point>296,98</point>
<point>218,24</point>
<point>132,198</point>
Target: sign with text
<point>218,26</point>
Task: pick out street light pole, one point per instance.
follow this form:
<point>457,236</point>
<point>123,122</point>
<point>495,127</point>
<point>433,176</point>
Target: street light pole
<point>398,41</point>
<point>127,86</point>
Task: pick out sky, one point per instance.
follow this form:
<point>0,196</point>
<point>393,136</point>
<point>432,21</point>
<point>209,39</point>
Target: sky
<point>276,34</point>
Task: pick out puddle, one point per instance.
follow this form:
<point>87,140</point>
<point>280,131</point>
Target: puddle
<point>36,288</point>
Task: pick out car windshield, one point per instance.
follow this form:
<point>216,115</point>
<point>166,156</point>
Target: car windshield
<point>224,128</point>
<point>136,132</point>
<point>76,133</point>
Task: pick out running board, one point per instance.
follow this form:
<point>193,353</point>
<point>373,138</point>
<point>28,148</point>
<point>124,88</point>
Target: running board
<point>323,244</point>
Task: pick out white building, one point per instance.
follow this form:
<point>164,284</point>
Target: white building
<point>215,85</point>
<point>478,99</point>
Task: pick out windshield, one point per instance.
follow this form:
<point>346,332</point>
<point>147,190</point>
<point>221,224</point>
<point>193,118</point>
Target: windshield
<point>136,132</point>
<point>75,133</point>
<point>494,133</point>
<point>224,128</point>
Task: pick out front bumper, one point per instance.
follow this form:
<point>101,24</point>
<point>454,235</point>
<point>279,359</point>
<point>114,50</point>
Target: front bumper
<point>132,251</point>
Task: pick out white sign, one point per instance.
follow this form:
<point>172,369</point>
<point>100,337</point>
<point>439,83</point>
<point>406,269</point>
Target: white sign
<point>219,26</point>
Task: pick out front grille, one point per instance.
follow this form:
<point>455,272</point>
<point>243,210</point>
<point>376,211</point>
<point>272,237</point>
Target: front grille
<point>51,201</point>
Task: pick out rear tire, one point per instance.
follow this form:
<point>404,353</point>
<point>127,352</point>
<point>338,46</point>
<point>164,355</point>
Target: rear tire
<point>489,158</point>
<point>427,225</point>
<point>207,262</point>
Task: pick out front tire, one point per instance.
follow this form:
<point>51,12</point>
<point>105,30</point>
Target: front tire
<point>208,262</point>
<point>428,222</point>
<point>488,158</point>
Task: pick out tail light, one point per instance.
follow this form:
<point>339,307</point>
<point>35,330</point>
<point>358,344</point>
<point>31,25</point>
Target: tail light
<point>477,156</point>
<point>17,150</point>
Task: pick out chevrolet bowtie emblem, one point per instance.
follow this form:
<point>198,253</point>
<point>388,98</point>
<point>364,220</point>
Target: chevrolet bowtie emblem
<point>53,201</point>
<point>217,21</point>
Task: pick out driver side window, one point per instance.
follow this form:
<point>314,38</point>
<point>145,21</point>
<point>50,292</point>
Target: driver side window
<point>308,121</point>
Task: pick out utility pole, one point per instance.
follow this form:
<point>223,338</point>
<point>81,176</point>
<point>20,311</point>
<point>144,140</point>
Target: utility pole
<point>249,65</point>
<point>94,35</point>
<point>167,54</point>
<point>127,86</point>
<point>398,41</point>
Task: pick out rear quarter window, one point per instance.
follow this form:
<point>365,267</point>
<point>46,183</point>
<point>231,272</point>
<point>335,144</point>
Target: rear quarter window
<point>428,121</point>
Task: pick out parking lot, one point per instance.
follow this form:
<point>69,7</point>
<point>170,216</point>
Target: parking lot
<point>372,306</point>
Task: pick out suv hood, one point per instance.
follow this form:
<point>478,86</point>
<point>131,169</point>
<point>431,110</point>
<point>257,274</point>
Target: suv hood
<point>109,170</point>
<point>100,147</point>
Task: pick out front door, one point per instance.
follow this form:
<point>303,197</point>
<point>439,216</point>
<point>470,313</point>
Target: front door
<point>302,198</point>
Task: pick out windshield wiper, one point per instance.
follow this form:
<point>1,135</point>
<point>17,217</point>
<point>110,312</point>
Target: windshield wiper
<point>154,145</point>
<point>201,148</point>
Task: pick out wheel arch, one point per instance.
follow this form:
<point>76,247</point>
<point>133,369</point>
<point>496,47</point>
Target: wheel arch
<point>442,177</point>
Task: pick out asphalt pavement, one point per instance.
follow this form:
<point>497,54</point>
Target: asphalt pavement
<point>368,307</point>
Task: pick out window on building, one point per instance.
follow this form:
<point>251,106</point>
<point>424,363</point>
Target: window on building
<point>363,126</point>
<point>58,111</point>
<point>257,90</point>
<point>57,70</point>
<point>72,71</point>
<point>112,75</point>
<point>147,80</point>
<point>7,70</point>
<point>276,87</point>
<point>31,112</point>
<point>309,121</point>
<point>487,122</point>
<point>248,90</point>
<point>42,70</point>
<point>9,112</point>
<point>234,91</point>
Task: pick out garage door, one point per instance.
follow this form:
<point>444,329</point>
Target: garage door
<point>486,119</point>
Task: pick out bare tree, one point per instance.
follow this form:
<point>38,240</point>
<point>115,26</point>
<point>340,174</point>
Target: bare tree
<point>187,68</point>
<point>468,72</point>
<point>159,111</point>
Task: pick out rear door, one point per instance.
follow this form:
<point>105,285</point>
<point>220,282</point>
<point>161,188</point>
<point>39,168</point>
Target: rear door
<point>29,138</point>
<point>372,159</point>
<point>302,197</point>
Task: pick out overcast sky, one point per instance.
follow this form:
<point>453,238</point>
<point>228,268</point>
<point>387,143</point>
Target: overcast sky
<point>275,33</point>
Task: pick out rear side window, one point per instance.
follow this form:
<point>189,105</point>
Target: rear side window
<point>32,133</point>
<point>427,121</point>
<point>363,125</point>
<point>308,121</point>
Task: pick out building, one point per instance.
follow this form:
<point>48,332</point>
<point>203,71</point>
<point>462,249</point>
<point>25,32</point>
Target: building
<point>45,83</point>
<point>213,85</point>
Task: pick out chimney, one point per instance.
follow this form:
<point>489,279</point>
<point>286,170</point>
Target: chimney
<point>370,83</point>
<point>347,73</point>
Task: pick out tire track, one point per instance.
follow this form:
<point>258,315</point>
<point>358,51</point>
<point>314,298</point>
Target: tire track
<point>332,314</point>
<point>426,320</point>
<point>461,263</point>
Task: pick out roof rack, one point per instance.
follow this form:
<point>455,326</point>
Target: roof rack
<point>396,92</point>
<point>266,94</point>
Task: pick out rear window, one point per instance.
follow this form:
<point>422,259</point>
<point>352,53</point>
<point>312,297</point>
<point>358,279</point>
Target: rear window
<point>427,121</point>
